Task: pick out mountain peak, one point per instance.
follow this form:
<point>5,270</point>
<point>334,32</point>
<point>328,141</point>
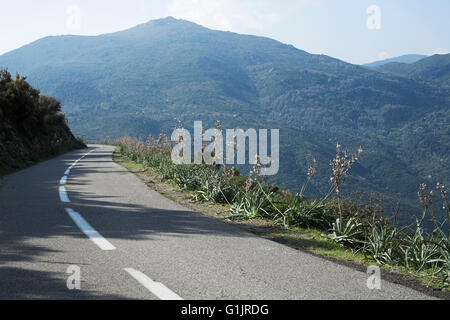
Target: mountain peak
<point>168,19</point>
<point>162,22</point>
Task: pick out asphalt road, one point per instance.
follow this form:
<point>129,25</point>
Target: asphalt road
<point>129,242</point>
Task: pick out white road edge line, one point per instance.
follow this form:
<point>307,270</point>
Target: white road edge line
<point>158,289</point>
<point>90,232</point>
<point>76,162</point>
<point>63,195</point>
<point>62,190</point>
<point>63,181</point>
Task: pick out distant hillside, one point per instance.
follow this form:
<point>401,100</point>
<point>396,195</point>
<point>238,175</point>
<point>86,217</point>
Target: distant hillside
<point>144,79</point>
<point>407,58</point>
<point>433,69</point>
<point>31,126</point>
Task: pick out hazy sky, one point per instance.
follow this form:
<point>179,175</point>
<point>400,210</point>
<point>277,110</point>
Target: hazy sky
<point>356,31</point>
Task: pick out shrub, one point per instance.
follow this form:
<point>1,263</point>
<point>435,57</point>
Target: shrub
<point>307,214</point>
<point>252,204</point>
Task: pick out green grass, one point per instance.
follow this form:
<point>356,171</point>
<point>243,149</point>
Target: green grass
<point>317,242</point>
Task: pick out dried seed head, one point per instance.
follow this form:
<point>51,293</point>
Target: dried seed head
<point>249,181</point>
<point>257,167</point>
<point>312,169</point>
<point>219,125</point>
<point>441,188</point>
<point>425,199</point>
<point>341,165</point>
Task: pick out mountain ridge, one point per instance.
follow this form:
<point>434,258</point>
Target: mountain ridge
<point>144,79</point>
<point>433,69</point>
<point>407,58</point>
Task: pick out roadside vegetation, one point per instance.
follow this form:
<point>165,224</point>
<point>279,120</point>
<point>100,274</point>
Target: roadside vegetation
<point>350,226</point>
<point>32,127</point>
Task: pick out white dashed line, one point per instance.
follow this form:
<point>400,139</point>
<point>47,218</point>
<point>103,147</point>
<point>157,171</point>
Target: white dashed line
<point>90,232</point>
<point>87,229</point>
<point>158,289</point>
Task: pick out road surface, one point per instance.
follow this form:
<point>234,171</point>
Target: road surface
<point>92,220</point>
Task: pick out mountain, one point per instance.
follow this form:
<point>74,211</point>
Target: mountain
<point>407,58</point>
<point>144,79</point>
<point>433,69</point>
<point>31,125</point>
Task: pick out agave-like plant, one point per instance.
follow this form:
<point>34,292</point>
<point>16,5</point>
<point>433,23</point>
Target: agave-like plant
<point>186,177</point>
<point>419,252</point>
<point>214,187</point>
<point>381,244</point>
<point>306,214</point>
<point>441,264</point>
<point>347,233</point>
<point>251,204</point>
<point>444,264</point>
